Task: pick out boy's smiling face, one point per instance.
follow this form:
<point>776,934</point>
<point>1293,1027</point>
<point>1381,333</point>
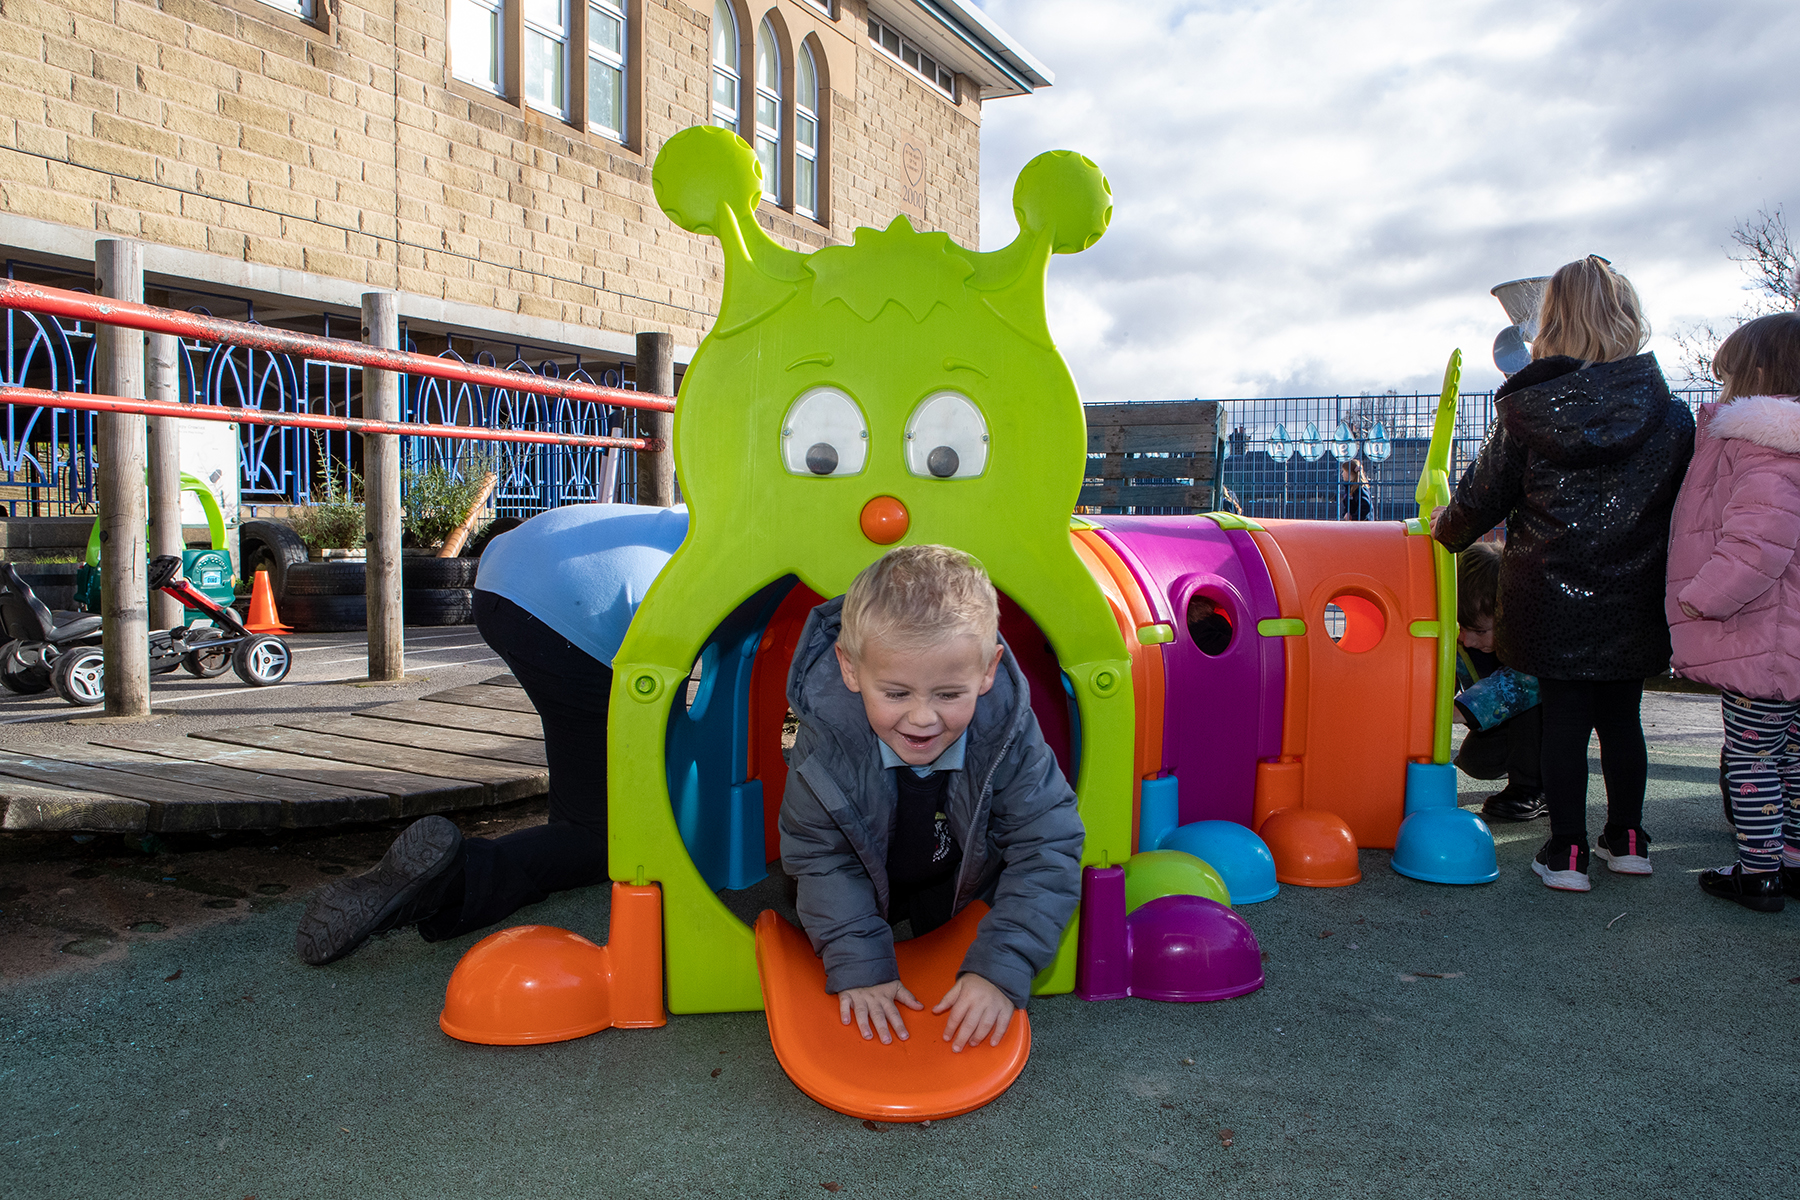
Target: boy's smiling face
<point>919,701</point>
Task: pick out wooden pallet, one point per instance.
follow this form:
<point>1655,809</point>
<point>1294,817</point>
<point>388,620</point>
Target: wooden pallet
<point>463,748</point>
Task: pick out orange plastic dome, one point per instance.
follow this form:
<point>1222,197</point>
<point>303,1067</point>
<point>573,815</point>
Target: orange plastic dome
<point>1311,848</point>
<point>528,984</point>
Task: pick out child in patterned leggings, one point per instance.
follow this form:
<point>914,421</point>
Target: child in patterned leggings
<point>1734,599</point>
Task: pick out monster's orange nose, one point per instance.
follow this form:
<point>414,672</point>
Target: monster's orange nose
<point>885,520</point>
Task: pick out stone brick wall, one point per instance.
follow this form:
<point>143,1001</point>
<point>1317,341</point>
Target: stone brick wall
<point>345,150</point>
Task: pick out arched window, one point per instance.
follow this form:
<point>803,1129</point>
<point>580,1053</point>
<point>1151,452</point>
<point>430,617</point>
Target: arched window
<point>725,66</point>
<point>768,110</point>
<point>806,132</point>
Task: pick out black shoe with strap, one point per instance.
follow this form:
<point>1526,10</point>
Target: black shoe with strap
<point>1760,891</point>
<point>1515,803</point>
<point>405,887</point>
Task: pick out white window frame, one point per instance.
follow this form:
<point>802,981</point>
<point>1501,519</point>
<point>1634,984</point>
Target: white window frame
<point>607,58</point>
<point>728,73</point>
<point>887,39</point>
<point>559,37</point>
<point>304,9</point>
<point>768,134</point>
<point>806,112</point>
<point>497,13</point>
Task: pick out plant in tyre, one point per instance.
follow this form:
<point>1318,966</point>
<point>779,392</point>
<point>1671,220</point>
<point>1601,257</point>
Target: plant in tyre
<point>335,518</point>
<point>436,501</point>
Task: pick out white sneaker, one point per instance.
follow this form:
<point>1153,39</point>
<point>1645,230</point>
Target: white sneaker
<point>1567,870</point>
<point>1630,857</point>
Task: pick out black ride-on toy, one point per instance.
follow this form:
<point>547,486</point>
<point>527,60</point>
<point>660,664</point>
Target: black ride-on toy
<point>36,639</point>
<point>260,659</point>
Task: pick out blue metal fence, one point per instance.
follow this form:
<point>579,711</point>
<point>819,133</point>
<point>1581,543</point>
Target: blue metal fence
<point>47,454</point>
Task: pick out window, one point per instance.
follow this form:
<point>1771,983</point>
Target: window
<point>546,52</point>
<point>768,111</point>
<point>923,65</point>
<point>725,66</point>
<point>806,133</point>
<point>606,67</point>
<point>300,8</point>
<point>475,42</point>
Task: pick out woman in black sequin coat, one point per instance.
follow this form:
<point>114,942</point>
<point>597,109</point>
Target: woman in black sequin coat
<point>1583,464</point>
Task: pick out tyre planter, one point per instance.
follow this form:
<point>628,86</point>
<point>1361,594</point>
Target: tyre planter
<point>328,597</point>
<point>437,606</point>
<point>272,546</point>
<point>419,572</point>
<point>325,614</point>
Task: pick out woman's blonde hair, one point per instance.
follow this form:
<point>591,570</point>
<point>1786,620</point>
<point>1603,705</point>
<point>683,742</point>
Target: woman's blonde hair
<point>916,597</point>
<point>1760,358</point>
<point>1591,312</point>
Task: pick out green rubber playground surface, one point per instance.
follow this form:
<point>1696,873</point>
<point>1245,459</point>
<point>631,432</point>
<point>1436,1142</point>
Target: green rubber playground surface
<point>1412,1040</point>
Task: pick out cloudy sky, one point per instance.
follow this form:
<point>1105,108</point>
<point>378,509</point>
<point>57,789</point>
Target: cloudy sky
<point>1314,197</point>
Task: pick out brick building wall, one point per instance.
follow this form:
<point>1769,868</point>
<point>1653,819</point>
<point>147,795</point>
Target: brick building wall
<point>343,150</point>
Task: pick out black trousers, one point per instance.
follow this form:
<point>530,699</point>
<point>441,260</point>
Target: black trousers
<point>1511,750</point>
<point>569,688</point>
<point>1573,710</point>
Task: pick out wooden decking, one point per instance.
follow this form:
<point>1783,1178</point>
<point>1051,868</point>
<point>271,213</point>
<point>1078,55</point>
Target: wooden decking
<point>462,748</point>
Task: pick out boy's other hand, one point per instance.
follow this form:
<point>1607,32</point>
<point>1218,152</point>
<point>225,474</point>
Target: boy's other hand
<point>875,1009</point>
<point>976,1008</point>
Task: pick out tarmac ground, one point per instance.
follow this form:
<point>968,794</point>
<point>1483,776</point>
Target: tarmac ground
<point>1412,1040</point>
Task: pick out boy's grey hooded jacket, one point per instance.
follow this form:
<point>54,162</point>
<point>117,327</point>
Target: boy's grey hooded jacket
<point>1010,808</point>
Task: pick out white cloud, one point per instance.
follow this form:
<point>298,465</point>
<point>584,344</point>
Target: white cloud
<point>1315,197</point>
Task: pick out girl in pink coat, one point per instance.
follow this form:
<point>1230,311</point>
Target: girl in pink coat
<point>1733,598</point>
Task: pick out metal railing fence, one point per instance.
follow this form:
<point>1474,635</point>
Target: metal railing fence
<point>47,452</point>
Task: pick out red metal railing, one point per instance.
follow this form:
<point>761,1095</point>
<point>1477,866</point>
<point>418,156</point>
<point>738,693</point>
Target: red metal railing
<point>256,416</point>
<point>31,297</point>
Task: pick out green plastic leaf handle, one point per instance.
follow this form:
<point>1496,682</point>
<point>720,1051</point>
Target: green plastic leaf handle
<point>1432,492</point>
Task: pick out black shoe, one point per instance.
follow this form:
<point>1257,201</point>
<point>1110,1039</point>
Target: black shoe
<point>397,891</point>
<point>1626,851</point>
<point>1514,803</point>
<point>1790,880</point>
<point>1761,891</point>
<point>1563,866</point>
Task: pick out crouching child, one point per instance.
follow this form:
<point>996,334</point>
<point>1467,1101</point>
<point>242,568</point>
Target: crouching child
<point>1498,704</point>
<point>919,782</point>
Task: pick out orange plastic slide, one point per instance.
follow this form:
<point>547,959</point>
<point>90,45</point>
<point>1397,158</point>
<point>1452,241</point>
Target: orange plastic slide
<point>919,1079</point>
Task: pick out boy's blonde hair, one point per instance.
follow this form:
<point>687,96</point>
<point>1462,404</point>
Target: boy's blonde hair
<point>1591,312</point>
<point>918,597</point>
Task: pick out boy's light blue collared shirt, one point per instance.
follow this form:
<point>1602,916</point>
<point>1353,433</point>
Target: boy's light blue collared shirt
<point>950,760</point>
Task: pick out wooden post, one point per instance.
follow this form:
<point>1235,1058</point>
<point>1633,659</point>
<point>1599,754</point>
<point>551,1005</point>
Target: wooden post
<point>656,373</point>
<point>381,495</point>
<point>119,371</point>
<point>164,447</point>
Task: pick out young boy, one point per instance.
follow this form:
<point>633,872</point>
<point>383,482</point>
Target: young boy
<point>1497,703</point>
<point>920,782</point>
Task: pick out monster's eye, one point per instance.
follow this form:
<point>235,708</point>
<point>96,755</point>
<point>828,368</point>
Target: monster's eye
<point>946,438</point>
<point>824,434</point>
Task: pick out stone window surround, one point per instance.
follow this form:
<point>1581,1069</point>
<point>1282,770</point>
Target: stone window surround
<point>749,20</point>
<point>575,72</point>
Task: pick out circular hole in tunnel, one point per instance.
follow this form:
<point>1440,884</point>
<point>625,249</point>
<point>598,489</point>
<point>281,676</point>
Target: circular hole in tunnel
<point>1355,623</point>
<point>1208,625</point>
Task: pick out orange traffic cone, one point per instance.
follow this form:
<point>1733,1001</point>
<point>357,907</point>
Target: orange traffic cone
<point>262,608</point>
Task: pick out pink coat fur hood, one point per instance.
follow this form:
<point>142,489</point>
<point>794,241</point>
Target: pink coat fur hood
<point>1732,549</point>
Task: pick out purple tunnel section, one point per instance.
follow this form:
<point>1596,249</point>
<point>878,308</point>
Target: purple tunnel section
<point>1222,706</point>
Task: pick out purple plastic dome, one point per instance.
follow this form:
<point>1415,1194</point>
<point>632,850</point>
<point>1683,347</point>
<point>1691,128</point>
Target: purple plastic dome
<point>1189,948</point>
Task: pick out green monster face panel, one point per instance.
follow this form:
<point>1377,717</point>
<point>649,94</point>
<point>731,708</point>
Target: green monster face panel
<point>902,389</point>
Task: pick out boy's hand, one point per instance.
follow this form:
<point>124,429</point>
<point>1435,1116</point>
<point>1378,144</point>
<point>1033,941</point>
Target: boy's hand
<point>875,1009</point>
<point>976,1006</point>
